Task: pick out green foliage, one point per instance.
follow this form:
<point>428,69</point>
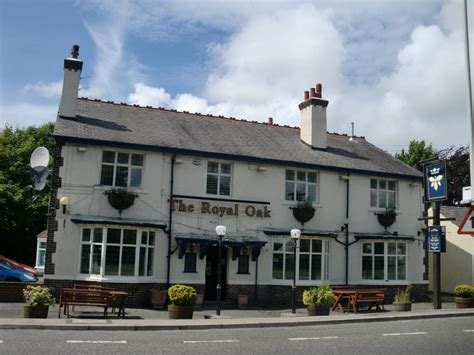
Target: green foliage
<point>22,209</point>
<point>417,151</point>
<point>457,168</point>
<point>464,291</point>
<point>38,296</point>
<point>403,296</point>
<point>120,198</point>
<point>320,295</point>
<point>182,295</point>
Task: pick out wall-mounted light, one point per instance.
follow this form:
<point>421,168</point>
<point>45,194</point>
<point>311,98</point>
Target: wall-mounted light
<point>344,177</point>
<point>64,202</point>
<point>178,161</point>
<point>261,168</point>
<point>346,221</point>
<point>81,149</point>
<point>414,184</point>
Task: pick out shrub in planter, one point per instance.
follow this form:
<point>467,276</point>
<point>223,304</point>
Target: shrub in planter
<point>464,296</point>
<point>38,299</point>
<point>303,211</point>
<point>402,300</point>
<point>387,218</point>
<point>318,300</point>
<point>182,300</point>
<point>120,198</point>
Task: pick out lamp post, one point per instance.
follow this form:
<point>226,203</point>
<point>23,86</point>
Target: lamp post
<point>220,231</point>
<point>295,234</point>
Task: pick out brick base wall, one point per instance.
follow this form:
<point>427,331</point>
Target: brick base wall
<point>267,295</point>
<point>12,292</point>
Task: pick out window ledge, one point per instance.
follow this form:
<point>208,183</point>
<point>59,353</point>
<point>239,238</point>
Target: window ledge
<point>294,203</point>
<point>137,190</point>
<point>379,210</point>
<point>189,272</point>
<point>243,273</point>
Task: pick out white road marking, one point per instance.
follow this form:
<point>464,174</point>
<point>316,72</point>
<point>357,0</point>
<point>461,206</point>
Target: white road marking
<point>97,342</point>
<point>211,341</point>
<point>397,334</point>
<point>468,330</point>
<point>312,338</point>
<point>1,341</point>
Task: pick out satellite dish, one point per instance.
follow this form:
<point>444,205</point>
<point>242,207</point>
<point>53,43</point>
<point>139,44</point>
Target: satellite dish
<point>39,167</point>
<point>40,157</point>
<point>39,175</point>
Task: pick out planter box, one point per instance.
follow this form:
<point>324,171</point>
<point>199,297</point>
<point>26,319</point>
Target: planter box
<point>180,312</point>
<point>35,311</point>
<point>158,298</point>
<point>199,300</point>
<point>318,310</point>
<point>464,302</point>
<point>401,307</point>
<point>242,301</point>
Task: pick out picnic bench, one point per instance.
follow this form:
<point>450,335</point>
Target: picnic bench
<point>83,297</point>
<point>356,297</point>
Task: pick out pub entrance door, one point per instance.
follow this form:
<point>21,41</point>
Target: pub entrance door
<point>210,293</point>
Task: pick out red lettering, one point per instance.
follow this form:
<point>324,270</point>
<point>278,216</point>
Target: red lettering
<point>250,211</point>
<point>205,207</point>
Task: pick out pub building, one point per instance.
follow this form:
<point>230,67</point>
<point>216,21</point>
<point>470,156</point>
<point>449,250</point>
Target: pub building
<point>137,193</point>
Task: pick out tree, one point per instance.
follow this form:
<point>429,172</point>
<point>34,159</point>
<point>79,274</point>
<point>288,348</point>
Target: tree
<point>457,167</point>
<point>417,151</point>
<point>22,209</point>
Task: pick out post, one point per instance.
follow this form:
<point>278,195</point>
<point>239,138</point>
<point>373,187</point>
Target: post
<point>293,295</point>
<point>436,261</point>
<point>219,288</point>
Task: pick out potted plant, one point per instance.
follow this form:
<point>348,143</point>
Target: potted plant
<point>402,300</point>
<point>38,299</point>
<point>182,300</point>
<point>303,211</point>
<point>318,300</point>
<point>464,296</point>
<point>387,218</point>
<point>243,301</point>
<point>120,198</point>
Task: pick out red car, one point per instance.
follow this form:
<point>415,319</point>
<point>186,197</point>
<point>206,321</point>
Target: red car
<point>15,265</point>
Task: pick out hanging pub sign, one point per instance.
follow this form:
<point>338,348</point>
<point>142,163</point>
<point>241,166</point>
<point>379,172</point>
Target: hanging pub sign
<point>436,181</point>
<point>436,239</point>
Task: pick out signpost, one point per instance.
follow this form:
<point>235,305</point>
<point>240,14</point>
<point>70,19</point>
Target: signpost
<point>467,224</point>
<point>436,239</point>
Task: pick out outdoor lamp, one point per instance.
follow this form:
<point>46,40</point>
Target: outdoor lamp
<point>295,234</point>
<point>64,202</point>
<point>220,231</point>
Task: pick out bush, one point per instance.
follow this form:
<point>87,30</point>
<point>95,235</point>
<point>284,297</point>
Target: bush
<point>321,296</point>
<point>403,296</point>
<point>38,296</point>
<point>182,295</point>
<point>464,291</point>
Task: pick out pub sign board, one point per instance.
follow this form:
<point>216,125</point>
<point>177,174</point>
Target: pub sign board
<point>436,181</point>
<point>436,239</point>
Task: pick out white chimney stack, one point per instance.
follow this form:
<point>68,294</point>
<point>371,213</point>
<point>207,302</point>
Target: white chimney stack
<point>72,75</point>
<point>313,118</point>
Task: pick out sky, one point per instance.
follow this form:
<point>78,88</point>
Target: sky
<point>396,68</point>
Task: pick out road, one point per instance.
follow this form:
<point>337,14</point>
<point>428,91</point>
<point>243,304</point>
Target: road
<point>434,336</point>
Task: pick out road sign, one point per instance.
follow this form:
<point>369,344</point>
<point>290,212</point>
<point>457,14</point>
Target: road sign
<point>436,181</point>
<point>467,224</point>
<point>436,239</point>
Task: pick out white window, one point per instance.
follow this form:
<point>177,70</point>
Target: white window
<point>312,259</point>
<point>117,252</point>
<point>383,193</point>
<point>41,256</point>
<point>300,185</point>
<point>384,260</point>
<point>121,169</point>
<point>218,178</point>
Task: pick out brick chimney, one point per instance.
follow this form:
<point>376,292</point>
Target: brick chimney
<point>313,118</point>
<point>72,75</point>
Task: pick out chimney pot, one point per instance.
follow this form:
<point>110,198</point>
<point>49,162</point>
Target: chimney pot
<point>270,120</point>
<point>319,89</point>
<point>75,51</point>
<point>313,92</point>
<point>306,95</point>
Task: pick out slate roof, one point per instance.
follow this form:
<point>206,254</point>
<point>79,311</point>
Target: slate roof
<point>454,212</point>
<point>108,123</point>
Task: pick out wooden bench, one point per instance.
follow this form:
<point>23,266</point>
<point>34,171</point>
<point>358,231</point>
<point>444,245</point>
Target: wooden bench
<point>83,297</point>
<point>372,297</point>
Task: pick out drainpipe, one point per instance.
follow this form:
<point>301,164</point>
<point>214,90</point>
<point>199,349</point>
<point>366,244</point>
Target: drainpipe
<point>170,220</point>
<point>346,227</point>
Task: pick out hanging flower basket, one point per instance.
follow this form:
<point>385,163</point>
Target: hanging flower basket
<point>387,218</point>
<point>303,211</point>
<point>120,199</point>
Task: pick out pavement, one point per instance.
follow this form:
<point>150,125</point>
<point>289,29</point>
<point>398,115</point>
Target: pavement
<point>204,318</point>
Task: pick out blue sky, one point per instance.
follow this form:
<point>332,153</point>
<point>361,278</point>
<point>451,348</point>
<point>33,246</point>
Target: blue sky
<point>395,68</point>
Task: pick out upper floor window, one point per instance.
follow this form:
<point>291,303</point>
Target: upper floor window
<point>121,169</point>
<point>300,185</point>
<point>383,193</point>
<point>218,178</point>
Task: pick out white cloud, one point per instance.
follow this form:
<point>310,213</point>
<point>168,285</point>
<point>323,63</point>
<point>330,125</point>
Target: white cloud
<point>24,114</point>
<point>149,96</point>
<point>46,90</point>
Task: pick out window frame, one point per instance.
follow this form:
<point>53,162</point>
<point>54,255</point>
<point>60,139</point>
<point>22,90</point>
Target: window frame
<point>103,244</point>
<point>306,182</point>
<point>243,264</point>
<point>386,257</point>
<point>386,191</point>
<point>193,267</point>
<point>128,165</point>
<point>324,259</point>
<point>219,174</point>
